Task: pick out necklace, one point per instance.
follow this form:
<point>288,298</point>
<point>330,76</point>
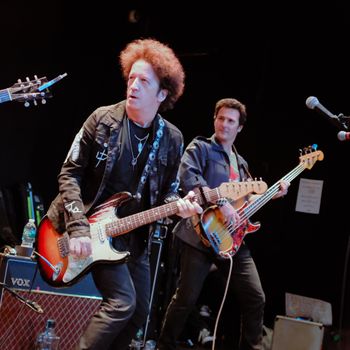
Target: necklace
<point>140,146</point>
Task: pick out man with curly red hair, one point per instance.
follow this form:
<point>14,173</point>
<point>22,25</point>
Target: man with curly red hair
<point>125,147</point>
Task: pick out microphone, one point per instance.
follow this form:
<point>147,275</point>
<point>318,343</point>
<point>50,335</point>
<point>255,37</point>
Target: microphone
<point>312,102</point>
<point>343,136</point>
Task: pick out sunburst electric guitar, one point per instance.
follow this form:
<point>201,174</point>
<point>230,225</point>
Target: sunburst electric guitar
<point>59,268</point>
<point>226,239</point>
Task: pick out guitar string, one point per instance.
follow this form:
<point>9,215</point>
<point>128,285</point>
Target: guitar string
<point>247,212</point>
<point>289,177</point>
<point>131,220</point>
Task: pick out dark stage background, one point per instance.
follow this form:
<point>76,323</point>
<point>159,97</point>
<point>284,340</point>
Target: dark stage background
<point>271,57</point>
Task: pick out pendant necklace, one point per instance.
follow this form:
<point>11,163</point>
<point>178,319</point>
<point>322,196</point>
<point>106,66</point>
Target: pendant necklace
<point>140,146</point>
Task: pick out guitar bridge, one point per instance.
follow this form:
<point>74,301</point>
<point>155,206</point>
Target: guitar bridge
<point>63,245</point>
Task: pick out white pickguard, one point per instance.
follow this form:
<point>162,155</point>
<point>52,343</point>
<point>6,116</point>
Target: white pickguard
<point>102,250</point>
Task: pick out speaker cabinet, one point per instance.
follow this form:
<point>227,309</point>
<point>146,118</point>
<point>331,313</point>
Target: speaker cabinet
<point>291,334</point>
<point>71,307</point>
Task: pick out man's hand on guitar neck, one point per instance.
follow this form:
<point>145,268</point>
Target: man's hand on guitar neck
<point>283,189</point>
<point>280,194</point>
<point>188,206</point>
<point>284,185</point>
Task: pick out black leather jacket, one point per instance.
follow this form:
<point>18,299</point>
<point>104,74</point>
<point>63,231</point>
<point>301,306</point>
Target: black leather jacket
<point>90,161</point>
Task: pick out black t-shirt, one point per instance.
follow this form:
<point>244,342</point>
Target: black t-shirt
<point>135,143</point>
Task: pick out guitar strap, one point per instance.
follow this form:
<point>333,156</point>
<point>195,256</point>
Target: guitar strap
<point>203,196</point>
<point>196,220</point>
<point>151,157</point>
<point>242,167</point>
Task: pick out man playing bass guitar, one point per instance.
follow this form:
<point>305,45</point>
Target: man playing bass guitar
<point>207,162</point>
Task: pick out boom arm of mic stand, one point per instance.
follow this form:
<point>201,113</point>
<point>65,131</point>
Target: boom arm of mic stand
<point>344,121</point>
<point>32,304</point>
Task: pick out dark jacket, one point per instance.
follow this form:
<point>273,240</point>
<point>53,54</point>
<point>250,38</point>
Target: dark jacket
<point>89,163</point>
<point>204,163</point>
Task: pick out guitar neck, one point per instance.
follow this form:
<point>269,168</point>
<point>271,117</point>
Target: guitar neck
<point>211,195</point>
<point>129,223</point>
<point>253,207</point>
<point>5,95</point>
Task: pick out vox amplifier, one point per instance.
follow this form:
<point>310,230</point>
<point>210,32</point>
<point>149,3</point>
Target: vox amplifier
<point>71,307</point>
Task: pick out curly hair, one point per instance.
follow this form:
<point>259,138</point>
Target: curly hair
<point>164,62</point>
<point>234,104</point>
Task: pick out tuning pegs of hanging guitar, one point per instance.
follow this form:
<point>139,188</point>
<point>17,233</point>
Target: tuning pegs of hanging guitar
<point>308,149</point>
<point>35,99</point>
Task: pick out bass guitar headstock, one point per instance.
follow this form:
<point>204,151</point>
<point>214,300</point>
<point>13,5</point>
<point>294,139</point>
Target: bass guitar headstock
<point>309,156</point>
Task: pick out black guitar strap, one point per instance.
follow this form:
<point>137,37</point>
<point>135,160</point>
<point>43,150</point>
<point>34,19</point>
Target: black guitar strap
<point>205,202</point>
<point>243,169</point>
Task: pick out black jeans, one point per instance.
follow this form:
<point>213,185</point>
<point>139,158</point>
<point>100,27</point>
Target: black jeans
<point>126,291</point>
<point>244,285</point>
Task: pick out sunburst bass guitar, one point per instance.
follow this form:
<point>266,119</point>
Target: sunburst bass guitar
<point>59,268</point>
<point>226,239</point>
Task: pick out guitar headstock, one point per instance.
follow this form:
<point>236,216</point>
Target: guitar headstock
<point>237,190</point>
<point>309,156</point>
<point>26,91</point>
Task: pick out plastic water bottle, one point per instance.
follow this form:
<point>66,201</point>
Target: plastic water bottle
<point>29,233</point>
<point>150,345</point>
<point>48,340</point>
<point>136,344</point>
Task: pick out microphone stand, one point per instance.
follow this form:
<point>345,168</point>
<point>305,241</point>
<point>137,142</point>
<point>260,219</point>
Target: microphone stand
<point>32,304</point>
<point>343,291</point>
<point>344,121</point>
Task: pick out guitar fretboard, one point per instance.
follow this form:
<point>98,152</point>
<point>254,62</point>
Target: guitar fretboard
<point>262,200</point>
<point>129,223</point>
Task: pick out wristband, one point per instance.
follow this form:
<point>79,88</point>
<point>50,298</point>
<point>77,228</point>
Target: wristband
<point>221,202</point>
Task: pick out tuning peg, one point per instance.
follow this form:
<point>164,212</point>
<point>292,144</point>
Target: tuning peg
<point>43,101</point>
<point>20,83</point>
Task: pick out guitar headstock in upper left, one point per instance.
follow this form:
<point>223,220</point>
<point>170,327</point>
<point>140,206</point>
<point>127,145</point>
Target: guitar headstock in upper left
<point>28,91</point>
<point>310,157</point>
